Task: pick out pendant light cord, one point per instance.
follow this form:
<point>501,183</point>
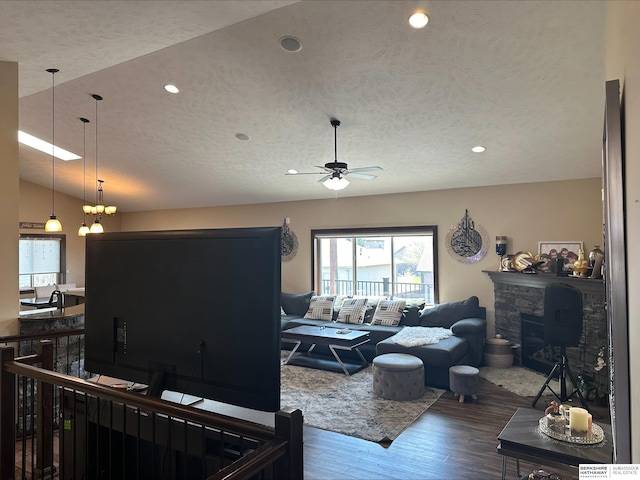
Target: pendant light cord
<point>335,143</point>
<point>84,166</point>
<point>97,98</point>
<point>53,141</point>
<point>97,184</point>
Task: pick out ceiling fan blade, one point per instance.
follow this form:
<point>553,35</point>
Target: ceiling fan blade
<point>325,178</point>
<point>365,169</point>
<point>305,173</point>
<point>364,176</point>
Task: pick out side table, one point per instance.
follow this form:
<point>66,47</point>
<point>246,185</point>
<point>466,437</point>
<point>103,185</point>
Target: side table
<point>521,439</point>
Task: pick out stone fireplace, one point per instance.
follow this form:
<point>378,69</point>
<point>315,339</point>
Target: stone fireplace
<point>519,309</point>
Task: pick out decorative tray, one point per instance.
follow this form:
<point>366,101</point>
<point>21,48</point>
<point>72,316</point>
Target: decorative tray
<point>557,428</point>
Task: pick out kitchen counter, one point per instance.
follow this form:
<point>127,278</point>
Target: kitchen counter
<point>51,319</point>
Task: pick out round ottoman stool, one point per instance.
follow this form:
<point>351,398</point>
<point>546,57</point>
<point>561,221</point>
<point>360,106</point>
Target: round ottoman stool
<point>464,380</point>
<point>398,376</point>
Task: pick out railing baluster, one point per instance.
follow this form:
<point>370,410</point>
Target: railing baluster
<point>81,410</point>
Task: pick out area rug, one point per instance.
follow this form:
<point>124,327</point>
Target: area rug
<point>347,405</point>
<point>522,381</point>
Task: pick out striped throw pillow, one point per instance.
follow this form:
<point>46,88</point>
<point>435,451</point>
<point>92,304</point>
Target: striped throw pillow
<point>353,310</point>
<point>389,312</point>
<point>320,307</point>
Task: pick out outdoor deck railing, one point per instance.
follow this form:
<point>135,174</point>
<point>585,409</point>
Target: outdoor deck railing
<point>366,288</point>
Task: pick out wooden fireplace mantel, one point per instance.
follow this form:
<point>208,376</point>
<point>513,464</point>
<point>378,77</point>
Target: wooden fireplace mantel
<point>593,286</point>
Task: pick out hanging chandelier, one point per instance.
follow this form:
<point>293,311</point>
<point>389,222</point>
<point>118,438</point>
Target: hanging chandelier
<point>99,208</point>
<point>53,224</point>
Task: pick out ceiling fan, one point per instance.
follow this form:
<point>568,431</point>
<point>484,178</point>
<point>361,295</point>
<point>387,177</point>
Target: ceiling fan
<point>335,172</point>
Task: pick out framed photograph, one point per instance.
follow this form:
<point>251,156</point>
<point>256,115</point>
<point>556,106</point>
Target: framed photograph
<point>560,254</point>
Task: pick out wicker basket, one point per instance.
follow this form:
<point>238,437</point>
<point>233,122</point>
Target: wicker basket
<point>498,353</point>
<point>498,361</point>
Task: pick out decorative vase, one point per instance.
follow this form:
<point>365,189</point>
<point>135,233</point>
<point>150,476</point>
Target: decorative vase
<point>581,265</point>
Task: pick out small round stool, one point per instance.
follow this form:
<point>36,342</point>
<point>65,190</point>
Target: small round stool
<point>398,376</point>
<point>464,380</point>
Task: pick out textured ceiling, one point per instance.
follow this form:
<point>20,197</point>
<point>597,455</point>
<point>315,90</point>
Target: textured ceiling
<point>523,78</point>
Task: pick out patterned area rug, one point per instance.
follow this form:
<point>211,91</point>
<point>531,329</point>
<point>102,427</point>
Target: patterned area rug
<point>522,381</point>
<point>346,404</point>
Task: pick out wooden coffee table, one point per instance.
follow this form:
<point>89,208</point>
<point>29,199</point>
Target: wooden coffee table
<point>521,439</point>
<point>332,338</point>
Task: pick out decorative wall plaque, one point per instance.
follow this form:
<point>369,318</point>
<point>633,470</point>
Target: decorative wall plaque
<point>467,242</point>
<point>288,242</point>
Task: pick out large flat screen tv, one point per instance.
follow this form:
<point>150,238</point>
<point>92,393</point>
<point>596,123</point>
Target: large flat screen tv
<point>192,311</point>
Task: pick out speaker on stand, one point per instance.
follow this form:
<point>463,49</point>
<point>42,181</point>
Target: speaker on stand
<point>562,328</point>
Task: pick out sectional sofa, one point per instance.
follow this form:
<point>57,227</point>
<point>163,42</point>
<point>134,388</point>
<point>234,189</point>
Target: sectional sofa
<point>380,317</point>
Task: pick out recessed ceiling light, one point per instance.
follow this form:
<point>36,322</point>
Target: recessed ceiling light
<point>292,171</point>
<point>242,136</point>
<point>478,149</point>
<point>171,88</point>
<point>418,20</point>
<point>43,146</point>
<point>290,44</point>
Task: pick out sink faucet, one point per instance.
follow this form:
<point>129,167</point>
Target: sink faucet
<point>59,299</point>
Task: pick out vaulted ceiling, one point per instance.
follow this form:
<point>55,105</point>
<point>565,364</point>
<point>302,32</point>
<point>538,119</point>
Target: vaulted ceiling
<point>525,79</point>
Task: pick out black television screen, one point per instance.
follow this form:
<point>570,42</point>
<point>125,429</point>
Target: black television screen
<point>192,311</point>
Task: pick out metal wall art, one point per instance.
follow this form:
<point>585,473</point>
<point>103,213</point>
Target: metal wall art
<point>288,242</point>
<point>467,242</point>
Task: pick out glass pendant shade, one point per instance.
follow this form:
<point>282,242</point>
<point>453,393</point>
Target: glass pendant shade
<point>53,225</point>
<point>83,230</point>
<point>96,227</point>
<point>336,183</point>
<point>86,208</point>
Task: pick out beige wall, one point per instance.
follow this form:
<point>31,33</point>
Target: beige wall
<point>526,213</point>
<point>9,304</point>
<point>623,63</point>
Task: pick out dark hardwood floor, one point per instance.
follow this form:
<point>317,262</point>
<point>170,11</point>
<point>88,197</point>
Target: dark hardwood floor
<point>451,440</point>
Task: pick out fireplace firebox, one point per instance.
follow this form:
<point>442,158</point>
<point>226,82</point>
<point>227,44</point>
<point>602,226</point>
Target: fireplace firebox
<point>537,354</point>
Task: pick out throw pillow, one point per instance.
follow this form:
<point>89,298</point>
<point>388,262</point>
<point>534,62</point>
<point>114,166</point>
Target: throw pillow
<point>411,315</point>
<point>446,314</point>
<point>295,303</point>
<point>320,307</point>
<point>353,310</point>
<point>388,312</point>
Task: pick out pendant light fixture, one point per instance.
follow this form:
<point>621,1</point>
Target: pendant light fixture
<point>98,209</point>
<point>53,224</point>
<point>96,227</point>
<point>83,230</point>
<point>336,181</point>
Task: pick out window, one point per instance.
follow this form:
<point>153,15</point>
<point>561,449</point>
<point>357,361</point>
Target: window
<point>398,262</point>
<point>42,260</point>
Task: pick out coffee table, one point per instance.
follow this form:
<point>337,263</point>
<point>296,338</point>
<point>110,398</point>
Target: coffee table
<point>521,439</point>
<point>331,337</point>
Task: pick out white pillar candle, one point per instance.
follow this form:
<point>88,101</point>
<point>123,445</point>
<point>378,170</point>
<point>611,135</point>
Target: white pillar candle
<point>579,419</point>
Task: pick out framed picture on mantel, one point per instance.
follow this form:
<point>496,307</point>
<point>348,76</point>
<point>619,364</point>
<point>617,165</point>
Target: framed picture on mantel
<point>561,254</point>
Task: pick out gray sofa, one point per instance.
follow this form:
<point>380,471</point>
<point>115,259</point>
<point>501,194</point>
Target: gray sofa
<point>466,319</point>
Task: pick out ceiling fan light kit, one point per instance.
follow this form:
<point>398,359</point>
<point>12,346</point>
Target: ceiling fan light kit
<point>336,182</point>
<point>337,171</point>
